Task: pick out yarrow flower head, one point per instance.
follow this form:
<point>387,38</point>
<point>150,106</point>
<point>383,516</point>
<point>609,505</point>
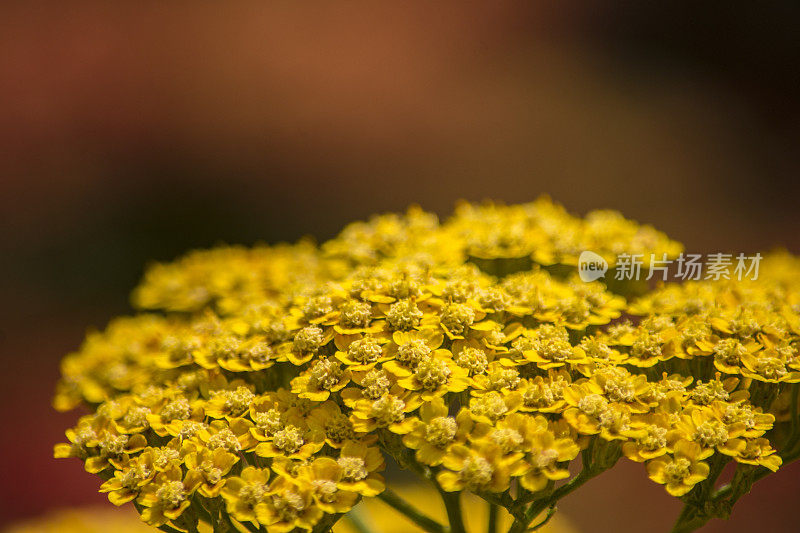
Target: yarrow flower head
<point>267,387</point>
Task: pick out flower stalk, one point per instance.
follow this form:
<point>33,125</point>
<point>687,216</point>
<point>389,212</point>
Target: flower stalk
<point>397,503</point>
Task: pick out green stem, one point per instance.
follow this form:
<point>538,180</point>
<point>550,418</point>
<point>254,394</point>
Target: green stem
<point>521,523</point>
<point>168,529</point>
<point>722,500</point>
<point>688,520</point>
<point>596,459</point>
<point>504,500</point>
<point>526,497</point>
<point>327,523</point>
<point>405,508</point>
<point>550,512</point>
<point>576,482</point>
<point>452,503</point>
<point>247,525</point>
<point>694,513</point>
<point>205,516</point>
<point>493,513</point>
<point>359,521</point>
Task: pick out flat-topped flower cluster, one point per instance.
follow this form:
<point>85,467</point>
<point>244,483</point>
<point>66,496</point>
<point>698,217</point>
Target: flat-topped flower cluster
<point>265,389</point>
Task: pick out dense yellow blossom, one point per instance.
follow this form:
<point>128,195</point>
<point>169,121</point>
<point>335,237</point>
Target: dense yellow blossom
<point>680,472</point>
<point>267,388</point>
<point>373,513</point>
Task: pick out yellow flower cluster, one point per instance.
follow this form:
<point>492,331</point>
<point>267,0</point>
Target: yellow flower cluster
<point>369,515</point>
<point>266,388</point>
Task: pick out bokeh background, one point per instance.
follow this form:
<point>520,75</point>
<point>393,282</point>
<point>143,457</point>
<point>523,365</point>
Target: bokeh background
<point>132,132</point>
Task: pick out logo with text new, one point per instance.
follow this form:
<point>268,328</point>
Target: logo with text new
<point>591,266</point>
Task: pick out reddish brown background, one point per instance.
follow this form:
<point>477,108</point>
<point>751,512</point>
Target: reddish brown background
<point>135,132</point>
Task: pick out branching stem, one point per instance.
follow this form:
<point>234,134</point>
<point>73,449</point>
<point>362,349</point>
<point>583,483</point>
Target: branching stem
<point>405,508</point>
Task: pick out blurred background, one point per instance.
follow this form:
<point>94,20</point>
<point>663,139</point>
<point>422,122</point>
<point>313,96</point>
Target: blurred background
<point>132,133</point>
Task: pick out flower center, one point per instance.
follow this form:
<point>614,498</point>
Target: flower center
<point>376,383</point>
<point>270,421</point>
<point>432,373</point>
<point>711,434</point>
<point>770,367</point>
<point>457,318</point>
<point>491,405</point>
<point>238,401</point>
<point>366,350</point>
<point>655,439</point>
<point>473,359</point>
<point>225,439</point>
<point>171,494</point>
<point>441,431</point>
<point>176,410</point>
<point>289,439</point>
<point>325,490</point>
<point>706,393</point>
<point>678,470</point>
<point>353,468</point>
<point>476,472</point>
<point>356,314</point>
<point>338,428</point>
<point>210,471</point>
<point>593,404</point>
<point>252,494</point>
<point>404,315</point>
<point>411,353</point>
<point>508,439</point>
<point>288,505</point>
<point>387,410</point>
<point>308,340</point>
<point>544,459</point>
<point>324,374</point>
